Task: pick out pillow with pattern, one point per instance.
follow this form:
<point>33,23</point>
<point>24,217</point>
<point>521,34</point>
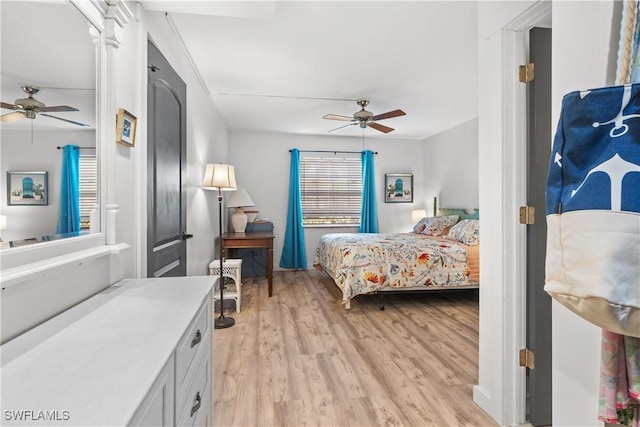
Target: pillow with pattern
<point>420,226</point>
<point>466,231</point>
<point>438,225</point>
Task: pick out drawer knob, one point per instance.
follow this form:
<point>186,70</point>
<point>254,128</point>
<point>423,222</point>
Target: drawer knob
<point>195,407</point>
<point>196,340</point>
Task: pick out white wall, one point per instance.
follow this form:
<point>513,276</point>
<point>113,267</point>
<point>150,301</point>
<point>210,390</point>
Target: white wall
<point>262,167</point>
<point>207,142</point>
<point>20,153</point>
<point>451,167</point>
<point>581,49</point>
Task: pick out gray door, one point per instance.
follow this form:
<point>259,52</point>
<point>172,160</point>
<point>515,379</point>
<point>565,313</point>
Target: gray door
<point>166,162</point>
<point>538,301</point>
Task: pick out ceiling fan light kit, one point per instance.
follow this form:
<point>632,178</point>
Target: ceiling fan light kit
<point>364,118</point>
<point>30,107</point>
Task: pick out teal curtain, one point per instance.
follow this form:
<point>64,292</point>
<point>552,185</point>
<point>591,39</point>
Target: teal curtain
<point>69,214</point>
<point>293,251</point>
<point>369,212</point>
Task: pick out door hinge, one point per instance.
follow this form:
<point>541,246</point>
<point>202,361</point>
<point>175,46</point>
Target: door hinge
<point>526,72</point>
<point>527,215</point>
<point>527,358</point>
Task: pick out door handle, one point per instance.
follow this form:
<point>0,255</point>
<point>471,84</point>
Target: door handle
<point>186,236</point>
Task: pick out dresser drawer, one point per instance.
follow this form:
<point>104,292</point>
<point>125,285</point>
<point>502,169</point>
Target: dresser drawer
<point>195,405</point>
<point>195,341</point>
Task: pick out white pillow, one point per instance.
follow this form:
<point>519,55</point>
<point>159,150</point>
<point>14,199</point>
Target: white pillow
<point>438,225</point>
<point>466,231</point>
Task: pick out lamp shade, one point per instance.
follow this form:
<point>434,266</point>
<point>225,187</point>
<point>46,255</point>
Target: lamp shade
<point>3,222</point>
<point>218,176</point>
<point>417,215</point>
<point>240,199</point>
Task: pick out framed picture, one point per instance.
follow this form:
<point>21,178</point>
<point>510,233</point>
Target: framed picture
<point>126,128</point>
<point>398,188</point>
<point>27,188</point>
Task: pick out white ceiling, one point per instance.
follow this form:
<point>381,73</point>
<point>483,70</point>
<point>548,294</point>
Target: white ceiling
<point>48,45</point>
<point>263,61</point>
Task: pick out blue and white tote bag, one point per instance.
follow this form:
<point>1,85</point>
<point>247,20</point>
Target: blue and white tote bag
<point>593,208</point>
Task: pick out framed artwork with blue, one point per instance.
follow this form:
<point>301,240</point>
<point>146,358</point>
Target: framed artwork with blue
<point>398,188</point>
<point>126,128</point>
<point>27,188</point>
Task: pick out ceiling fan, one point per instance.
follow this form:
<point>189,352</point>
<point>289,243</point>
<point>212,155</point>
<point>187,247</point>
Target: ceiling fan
<point>30,107</point>
<point>364,118</point>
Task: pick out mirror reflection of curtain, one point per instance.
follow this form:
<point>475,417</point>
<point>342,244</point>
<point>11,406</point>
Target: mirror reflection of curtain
<point>69,215</point>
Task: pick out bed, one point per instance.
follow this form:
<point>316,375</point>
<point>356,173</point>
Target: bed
<point>440,253</point>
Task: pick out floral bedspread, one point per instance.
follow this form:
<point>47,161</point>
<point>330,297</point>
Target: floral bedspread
<point>363,263</point>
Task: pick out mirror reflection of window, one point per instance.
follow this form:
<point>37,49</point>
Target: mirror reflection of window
<point>54,66</point>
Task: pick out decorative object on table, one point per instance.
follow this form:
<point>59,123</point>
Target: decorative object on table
<point>126,128</point>
<point>252,214</point>
<point>398,188</point>
<point>239,200</point>
<point>27,188</point>
<point>220,177</point>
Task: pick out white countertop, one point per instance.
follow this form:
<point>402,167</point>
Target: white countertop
<point>94,363</point>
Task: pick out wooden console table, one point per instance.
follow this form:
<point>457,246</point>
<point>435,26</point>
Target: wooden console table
<point>255,239</point>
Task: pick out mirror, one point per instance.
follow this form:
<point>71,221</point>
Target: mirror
<point>48,94</point>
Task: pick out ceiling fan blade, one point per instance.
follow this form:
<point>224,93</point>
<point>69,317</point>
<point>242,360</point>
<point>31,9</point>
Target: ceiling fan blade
<point>337,117</point>
<point>12,117</point>
<point>350,124</point>
<point>389,114</point>
<point>381,128</point>
<point>64,120</point>
<point>58,108</point>
<point>8,106</point>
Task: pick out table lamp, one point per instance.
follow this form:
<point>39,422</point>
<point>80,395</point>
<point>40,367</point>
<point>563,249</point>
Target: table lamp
<point>417,215</point>
<point>3,224</point>
<point>220,177</point>
<point>239,200</point>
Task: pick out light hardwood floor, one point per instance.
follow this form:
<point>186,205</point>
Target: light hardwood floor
<point>300,359</point>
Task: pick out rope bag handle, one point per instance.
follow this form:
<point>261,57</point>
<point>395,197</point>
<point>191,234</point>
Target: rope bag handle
<point>626,46</point>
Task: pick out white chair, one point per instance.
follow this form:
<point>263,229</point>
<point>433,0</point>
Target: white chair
<point>230,268</point>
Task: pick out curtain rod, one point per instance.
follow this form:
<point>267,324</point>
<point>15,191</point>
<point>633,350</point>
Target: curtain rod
<point>332,151</point>
<point>81,148</point>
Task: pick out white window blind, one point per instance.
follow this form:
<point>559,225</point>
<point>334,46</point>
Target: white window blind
<point>88,174</point>
<point>331,190</point>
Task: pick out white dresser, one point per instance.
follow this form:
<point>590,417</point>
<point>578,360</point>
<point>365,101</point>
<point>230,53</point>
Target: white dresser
<point>138,353</point>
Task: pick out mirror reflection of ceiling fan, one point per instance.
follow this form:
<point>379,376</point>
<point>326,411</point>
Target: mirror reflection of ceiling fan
<point>30,107</point>
<point>364,118</point>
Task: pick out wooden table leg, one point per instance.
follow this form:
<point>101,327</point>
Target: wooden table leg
<point>270,270</point>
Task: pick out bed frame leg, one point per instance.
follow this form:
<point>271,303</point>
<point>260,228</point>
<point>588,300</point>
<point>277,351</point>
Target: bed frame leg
<point>380,297</point>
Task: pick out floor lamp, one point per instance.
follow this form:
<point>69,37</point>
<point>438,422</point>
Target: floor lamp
<point>220,177</point>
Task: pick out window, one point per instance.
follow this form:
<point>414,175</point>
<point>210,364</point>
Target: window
<point>331,190</point>
<point>88,175</point>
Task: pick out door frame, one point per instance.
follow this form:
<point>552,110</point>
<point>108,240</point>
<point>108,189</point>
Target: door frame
<point>501,389</point>
<point>514,116</point>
